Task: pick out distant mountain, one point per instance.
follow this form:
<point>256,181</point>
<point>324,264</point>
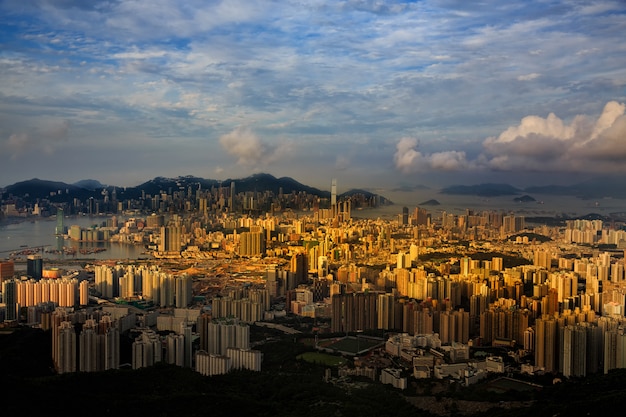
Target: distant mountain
<point>431,202</point>
<point>267,182</point>
<point>89,184</point>
<point>84,189</point>
<point>482,190</point>
<point>163,184</point>
<point>357,192</point>
<point>596,188</point>
<point>524,199</point>
<point>53,190</point>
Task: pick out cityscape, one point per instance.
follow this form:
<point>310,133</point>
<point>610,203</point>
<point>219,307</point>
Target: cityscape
<point>313,207</point>
<point>425,295</point>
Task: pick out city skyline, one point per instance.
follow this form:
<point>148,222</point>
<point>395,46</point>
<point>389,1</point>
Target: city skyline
<point>382,94</point>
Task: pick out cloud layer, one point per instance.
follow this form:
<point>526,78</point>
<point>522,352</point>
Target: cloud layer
<point>163,87</point>
<point>537,144</point>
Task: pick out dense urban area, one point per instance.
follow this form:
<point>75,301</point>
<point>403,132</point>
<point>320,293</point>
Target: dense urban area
<point>427,305</point>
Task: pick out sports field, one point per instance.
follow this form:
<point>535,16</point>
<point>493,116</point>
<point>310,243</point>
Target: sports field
<point>353,345</point>
<point>322,358</point>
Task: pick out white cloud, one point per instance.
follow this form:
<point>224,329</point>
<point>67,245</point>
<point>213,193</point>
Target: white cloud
<point>407,159</point>
<point>550,144</point>
<point>249,150</point>
<point>551,126</point>
<point>537,144</point>
<point>528,77</point>
<point>156,69</point>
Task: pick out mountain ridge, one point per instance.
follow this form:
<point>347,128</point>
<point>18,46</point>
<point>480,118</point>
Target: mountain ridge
<point>596,188</point>
<point>260,182</point>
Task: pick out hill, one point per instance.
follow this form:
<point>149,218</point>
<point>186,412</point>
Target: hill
<point>596,188</point>
<point>56,191</point>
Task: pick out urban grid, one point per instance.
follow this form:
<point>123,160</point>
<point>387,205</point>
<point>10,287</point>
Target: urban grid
<point>406,298</point>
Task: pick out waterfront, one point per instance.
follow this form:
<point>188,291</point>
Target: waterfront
<point>546,205</point>
<point>37,235</point>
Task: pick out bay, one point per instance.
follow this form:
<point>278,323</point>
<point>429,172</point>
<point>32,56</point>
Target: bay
<point>545,205</point>
<point>38,236</point>
<point>39,233</point>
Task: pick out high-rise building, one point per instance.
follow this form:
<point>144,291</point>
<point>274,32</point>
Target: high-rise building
<point>299,266</point>
<point>170,239</point>
<point>9,298</point>
<point>7,270</point>
<point>175,347</point>
<point>231,202</point>
<point>89,349</point>
<point>60,227</point>
<point>333,198</point>
<point>224,333</point>
<point>146,349</point>
<point>209,364</point>
<point>546,343</point>
<point>405,216</point>
<point>574,351</point>
<point>183,291</point>
<point>251,243</point>
<point>65,348</point>
<point>34,266</point>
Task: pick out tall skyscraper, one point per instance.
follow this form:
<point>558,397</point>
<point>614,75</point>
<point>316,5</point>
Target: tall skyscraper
<point>60,227</point>
<point>405,216</point>
<point>9,298</point>
<point>333,198</point>
<point>231,202</point>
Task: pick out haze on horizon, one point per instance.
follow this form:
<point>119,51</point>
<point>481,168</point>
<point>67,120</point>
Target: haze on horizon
<point>374,93</point>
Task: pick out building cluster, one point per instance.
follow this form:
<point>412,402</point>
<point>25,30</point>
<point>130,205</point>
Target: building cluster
<point>86,326</point>
<point>554,296</point>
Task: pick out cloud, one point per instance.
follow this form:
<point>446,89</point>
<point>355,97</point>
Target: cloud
<point>528,77</point>
<point>537,144</point>
<point>407,159</point>
<point>249,150</point>
<point>550,144</point>
<point>45,139</point>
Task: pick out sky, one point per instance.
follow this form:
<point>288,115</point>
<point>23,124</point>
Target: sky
<point>371,93</point>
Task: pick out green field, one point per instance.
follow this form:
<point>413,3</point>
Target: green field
<point>353,345</point>
<point>321,358</point>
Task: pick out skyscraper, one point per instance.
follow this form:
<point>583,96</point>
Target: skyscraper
<point>34,266</point>
<point>65,349</point>
<point>9,298</point>
<point>7,269</point>
<point>170,239</point>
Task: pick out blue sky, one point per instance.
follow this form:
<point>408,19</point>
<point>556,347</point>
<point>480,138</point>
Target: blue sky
<point>373,93</point>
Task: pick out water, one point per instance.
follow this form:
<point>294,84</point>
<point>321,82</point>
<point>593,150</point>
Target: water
<point>546,205</point>
<point>40,234</point>
<point>34,232</point>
